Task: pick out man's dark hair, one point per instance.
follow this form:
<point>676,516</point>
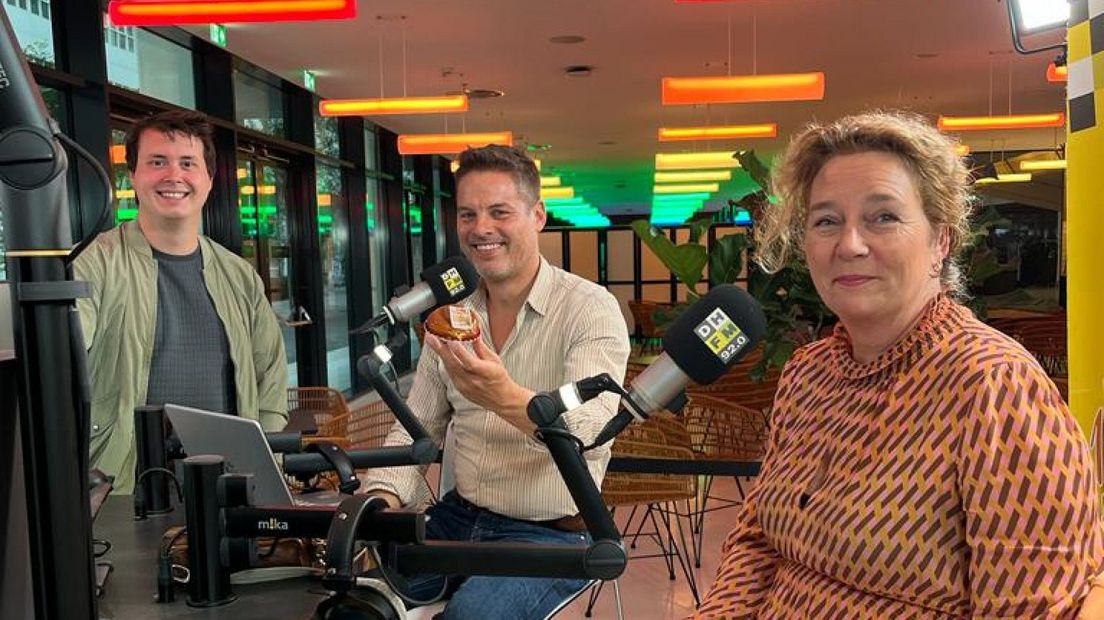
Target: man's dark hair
<point>508,159</point>
<point>172,123</point>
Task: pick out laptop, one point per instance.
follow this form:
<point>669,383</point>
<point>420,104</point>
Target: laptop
<point>242,443</point>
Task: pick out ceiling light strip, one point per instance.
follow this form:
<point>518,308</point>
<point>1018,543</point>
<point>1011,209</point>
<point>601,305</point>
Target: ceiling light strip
<point>442,143</point>
<point>743,88</point>
<point>690,161</point>
<point>686,188</point>
<point>565,191</point>
<point>693,176</point>
<point>393,105</point>
<point>1043,164</point>
<point>726,132</point>
<point>1057,73</point>
<point>1013,121</point>
<point>175,12</point>
<point>1018,177</point>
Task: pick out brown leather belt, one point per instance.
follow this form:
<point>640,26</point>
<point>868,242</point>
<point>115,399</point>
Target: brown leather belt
<point>572,523</point>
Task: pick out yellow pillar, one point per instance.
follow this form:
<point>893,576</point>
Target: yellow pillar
<point>1085,210</point>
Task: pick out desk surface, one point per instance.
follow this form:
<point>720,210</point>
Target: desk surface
<point>130,589</point>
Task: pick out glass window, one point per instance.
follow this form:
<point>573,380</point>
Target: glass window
<point>377,244</point>
<point>326,138</point>
<point>258,104</point>
<point>371,146</point>
<point>140,60</point>
<point>126,204</point>
<point>33,29</point>
<point>333,235</point>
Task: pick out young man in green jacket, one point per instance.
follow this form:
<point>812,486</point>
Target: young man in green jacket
<point>174,317</point>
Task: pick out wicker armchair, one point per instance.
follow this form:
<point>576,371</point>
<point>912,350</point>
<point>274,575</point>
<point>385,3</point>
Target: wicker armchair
<point>661,437</point>
<point>369,425</point>
<point>328,409</point>
<point>720,429</point>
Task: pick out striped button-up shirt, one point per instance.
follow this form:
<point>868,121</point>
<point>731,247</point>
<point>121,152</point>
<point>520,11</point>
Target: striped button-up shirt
<point>567,329</point>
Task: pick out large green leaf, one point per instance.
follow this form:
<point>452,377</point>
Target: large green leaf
<point>727,259</point>
<point>751,163</point>
<point>686,261</point>
<point>699,226</point>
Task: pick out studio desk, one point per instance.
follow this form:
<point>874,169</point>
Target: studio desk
<point>129,593</point>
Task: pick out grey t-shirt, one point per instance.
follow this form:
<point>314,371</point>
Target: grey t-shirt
<point>191,356</point>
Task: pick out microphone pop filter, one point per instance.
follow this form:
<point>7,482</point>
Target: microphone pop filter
<point>715,332</point>
<point>451,280</point>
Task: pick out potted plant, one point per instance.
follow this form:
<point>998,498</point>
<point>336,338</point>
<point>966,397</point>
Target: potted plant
<point>794,311</point>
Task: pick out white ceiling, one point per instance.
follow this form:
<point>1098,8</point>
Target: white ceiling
<point>930,56</point>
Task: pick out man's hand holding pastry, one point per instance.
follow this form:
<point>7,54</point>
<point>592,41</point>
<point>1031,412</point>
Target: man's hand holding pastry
<point>478,373</point>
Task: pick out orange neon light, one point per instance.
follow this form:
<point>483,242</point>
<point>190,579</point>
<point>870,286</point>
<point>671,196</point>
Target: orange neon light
<point>763,130</point>
<point>446,143</point>
<point>173,12</point>
<point>743,88</point>
<point>325,200</point>
<point>1056,73</point>
<point>1014,121</point>
<point>118,153</point>
<point>394,105</point>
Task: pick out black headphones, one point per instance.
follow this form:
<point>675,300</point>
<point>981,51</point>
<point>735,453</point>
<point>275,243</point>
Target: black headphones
<point>347,480</point>
<point>348,603</point>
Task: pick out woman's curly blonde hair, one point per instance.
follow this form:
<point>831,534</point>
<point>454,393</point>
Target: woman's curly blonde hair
<point>940,175</point>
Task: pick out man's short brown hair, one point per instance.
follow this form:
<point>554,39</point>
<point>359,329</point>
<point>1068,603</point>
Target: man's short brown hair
<point>171,123</point>
<point>508,159</point>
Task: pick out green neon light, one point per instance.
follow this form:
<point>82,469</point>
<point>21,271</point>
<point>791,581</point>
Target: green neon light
<point>557,202</point>
<point>325,219</point>
<point>680,197</point>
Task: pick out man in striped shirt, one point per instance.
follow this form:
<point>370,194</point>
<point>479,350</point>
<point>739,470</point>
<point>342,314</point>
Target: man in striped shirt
<point>541,328</point>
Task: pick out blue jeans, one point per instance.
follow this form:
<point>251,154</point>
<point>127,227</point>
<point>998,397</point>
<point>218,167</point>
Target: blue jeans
<point>501,598</point>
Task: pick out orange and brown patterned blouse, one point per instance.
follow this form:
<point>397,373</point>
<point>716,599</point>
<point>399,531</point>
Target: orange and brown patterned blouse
<point>945,479</point>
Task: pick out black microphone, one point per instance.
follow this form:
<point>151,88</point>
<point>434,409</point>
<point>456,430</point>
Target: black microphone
<point>447,282</point>
<point>547,407</point>
<point>709,337</point>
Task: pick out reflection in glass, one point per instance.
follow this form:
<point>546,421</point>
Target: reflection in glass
<point>34,29</point>
<point>140,60</point>
<point>258,105</point>
<point>333,236</point>
<point>326,138</point>
<point>377,244</point>
<point>266,243</point>
<point>126,204</point>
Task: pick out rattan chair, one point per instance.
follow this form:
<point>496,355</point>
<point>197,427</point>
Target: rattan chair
<point>369,425</point>
<point>654,498</point>
<point>328,409</point>
<point>723,430</point>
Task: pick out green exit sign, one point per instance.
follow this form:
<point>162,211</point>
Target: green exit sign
<point>308,79</point>
<point>218,35</point>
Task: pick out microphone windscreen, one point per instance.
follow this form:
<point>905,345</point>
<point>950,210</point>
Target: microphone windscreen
<point>451,280</point>
<point>715,332</point>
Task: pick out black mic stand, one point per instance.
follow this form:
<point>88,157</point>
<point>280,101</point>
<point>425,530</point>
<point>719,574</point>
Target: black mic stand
<point>53,419</point>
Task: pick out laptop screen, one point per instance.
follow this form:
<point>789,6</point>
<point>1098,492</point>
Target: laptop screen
<point>240,441</point>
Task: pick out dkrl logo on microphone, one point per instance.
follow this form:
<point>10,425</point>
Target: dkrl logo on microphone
<point>721,335</point>
<point>454,282</point>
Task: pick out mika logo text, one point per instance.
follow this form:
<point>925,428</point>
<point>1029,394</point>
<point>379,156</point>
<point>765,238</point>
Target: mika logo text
<point>273,524</point>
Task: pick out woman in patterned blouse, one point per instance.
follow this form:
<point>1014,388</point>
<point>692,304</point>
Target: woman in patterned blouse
<point>921,464</point>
